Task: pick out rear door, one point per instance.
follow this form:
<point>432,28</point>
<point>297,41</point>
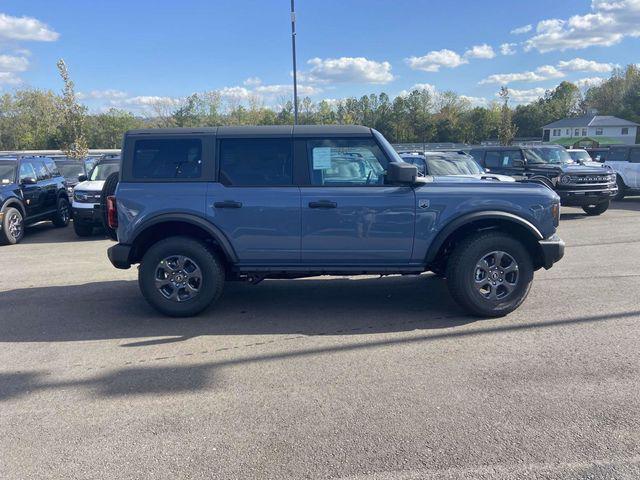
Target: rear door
<point>634,167</point>
<point>32,194</point>
<point>505,162</point>
<point>349,215</point>
<point>255,202</point>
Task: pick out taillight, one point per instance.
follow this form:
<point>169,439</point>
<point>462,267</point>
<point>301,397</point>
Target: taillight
<point>112,212</point>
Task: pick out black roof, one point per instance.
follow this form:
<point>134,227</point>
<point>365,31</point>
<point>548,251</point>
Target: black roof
<point>262,130</point>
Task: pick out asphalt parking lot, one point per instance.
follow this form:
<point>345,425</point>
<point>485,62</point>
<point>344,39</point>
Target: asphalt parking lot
<point>361,378</point>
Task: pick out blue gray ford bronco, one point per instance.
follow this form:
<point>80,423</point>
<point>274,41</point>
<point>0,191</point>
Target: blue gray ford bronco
<point>198,207</point>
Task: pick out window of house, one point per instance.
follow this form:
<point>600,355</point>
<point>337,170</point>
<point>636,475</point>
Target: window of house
<point>346,162</point>
<point>584,132</point>
<point>167,158</point>
<point>259,162</point>
<point>625,131</point>
<point>599,131</point>
<point>576,132</point>
<point>568,132</point>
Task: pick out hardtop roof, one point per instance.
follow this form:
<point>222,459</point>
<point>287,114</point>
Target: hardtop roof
<point>261,130</point>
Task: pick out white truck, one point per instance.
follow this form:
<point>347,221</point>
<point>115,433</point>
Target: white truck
<point>625,161</point>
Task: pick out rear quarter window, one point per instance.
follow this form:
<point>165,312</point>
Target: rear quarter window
<point>477,156</point>
<point>167,159</point>
<point>617,155</point>
<point>634,156</point>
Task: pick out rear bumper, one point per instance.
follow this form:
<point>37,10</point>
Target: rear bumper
<point>119,255</point>
<point>580,198</point>
<point>552,250</point>
<point>87,216</point>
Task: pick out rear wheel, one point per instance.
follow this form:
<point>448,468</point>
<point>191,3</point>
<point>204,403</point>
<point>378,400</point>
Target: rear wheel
<point>180,276</point>
<point>12,226</point>
<point>82,230</point>
<point>598,209</point>
<point>489,274</point>
<point>63,213</point>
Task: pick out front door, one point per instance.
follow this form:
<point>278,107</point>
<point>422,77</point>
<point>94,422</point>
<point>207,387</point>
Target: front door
<point>31,193</point>
<point>505,162</point>
<point>254,202</point>
<point>634,167</point>
<point>349,216</point>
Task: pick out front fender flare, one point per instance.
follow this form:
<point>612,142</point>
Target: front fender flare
<point>465,219</point>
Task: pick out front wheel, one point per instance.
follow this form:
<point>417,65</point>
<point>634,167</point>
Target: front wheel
<point>63,213</point>
<point>12,228</point>
<point>622,188</point>
<point>180,276</point>
<point>598,209</point>
<point>490,274</point>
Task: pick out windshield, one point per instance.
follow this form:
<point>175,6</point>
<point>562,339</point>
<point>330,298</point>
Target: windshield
<point>580,156</point>
<point>70,171</point>
<point>7,172</point>
<point>458,165</point>
<point>548,155</point>
<point>103,170</point>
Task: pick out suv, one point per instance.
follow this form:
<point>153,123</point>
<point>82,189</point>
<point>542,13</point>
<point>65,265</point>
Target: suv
<point>87,213</point>
<point>588,186</point>
<point>446,163</point>
<point>625,161</point>
<point>197,207</point>
<point>31,190</point>
<point>71,170</point>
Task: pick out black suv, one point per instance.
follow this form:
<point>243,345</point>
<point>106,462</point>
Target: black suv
<point>588,186</point>
<point>71,170</point>
<point>31,190</point>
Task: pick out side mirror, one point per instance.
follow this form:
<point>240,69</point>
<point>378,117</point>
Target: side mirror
<point>82,178</point>
<point>518,163</point>
<point>28,181</point>
<point>401,173</point>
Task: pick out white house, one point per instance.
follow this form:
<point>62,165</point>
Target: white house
<point>610,130</point>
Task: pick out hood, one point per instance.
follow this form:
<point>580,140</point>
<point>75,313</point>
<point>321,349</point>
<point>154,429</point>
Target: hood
<point>480,178</point>
<point>89,186</point>
<point>590,167</point>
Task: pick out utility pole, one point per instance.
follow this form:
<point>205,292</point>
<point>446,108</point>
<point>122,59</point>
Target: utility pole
<point>293,48</point>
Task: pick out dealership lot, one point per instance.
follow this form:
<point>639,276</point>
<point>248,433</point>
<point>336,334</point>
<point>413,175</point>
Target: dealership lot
<point>354,378</point>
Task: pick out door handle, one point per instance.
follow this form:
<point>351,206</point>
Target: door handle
<point>227,204</point>
<point>323,204</point>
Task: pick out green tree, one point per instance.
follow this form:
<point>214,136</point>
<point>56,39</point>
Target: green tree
<point>72,139</point>
<point>507,130</point>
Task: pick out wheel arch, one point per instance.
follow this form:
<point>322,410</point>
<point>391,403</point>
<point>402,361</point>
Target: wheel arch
<point>15,203</point>
<point>471,223</point>
<point>175,224</point>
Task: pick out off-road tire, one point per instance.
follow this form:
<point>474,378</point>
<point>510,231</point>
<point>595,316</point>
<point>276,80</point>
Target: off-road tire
<point>63,213</point>
<point>108,189</point>
<point>461,269</point>
<point>82,230</point>
<point>7,238</point>
<point>211,268</point>
<point>596,210</point>
<point>622,188</point>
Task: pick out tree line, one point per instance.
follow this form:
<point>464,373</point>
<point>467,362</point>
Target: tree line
<point>34,119</point>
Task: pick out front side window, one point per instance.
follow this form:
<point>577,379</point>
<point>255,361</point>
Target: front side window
<point>102,170</point>
<point>502,158</point>
<point>418,162</point>
<point>41,171</point>
<point>260,162</point>
<point>51,167</point>
<point>167,158</point>
<point>346,162</point>
<point>27,171</point>
<point>71,171</point>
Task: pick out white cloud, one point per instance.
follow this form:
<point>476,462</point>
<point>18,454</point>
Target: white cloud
<point>432,61</point>
<point>608,23</point>
<point>151,100</point>
<point>589,82</point>
<point>347,70</point>
<point>480,51</point>
<point>521,30</point>
<point>10,63</point>
<point>543,73</point>
<point>475,101</point>
<point>525,96</point>
<point>109,94</point>
<point>252,82</point>
<point>419,86</point>
<point>25,28</point>
<point>8,78</point>
<point>508,48</point>
<point>287,89</point>
<point>582,65</point>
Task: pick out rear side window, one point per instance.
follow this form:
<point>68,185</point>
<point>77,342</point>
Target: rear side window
<point>260,162</point>
<point>634,156</point>
<point>501,158</point>
<point>167,158</point>
<point>52,167</point>
<point>477,155</point>
<point>617,155</point>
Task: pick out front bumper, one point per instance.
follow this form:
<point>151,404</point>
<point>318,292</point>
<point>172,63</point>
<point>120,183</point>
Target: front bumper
<point>580,198</point>
<point>552,249</point>
<point>87,216</point>
<point>119,255</point>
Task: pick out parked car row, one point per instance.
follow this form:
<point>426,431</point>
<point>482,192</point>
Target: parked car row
<point>35,189</point>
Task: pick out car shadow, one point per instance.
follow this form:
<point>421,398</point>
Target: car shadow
<point>117,310</point>
<point>46,232</point>
<point>627,203</point>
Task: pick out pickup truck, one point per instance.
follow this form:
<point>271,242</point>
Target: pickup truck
<point>199,207</point>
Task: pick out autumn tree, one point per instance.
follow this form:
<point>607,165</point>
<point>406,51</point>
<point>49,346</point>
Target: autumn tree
<point>72,139</point>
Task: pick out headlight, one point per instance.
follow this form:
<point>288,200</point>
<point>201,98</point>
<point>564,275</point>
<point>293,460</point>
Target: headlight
<point>555,213</point>
<point>565,179</point>
<point>80,196</point>
<point>612,178</point>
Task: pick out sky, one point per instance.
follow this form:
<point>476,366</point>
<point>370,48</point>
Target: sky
<point>135,54</point>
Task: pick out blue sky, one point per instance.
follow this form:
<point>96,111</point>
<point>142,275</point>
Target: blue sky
<point>130,54</point>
